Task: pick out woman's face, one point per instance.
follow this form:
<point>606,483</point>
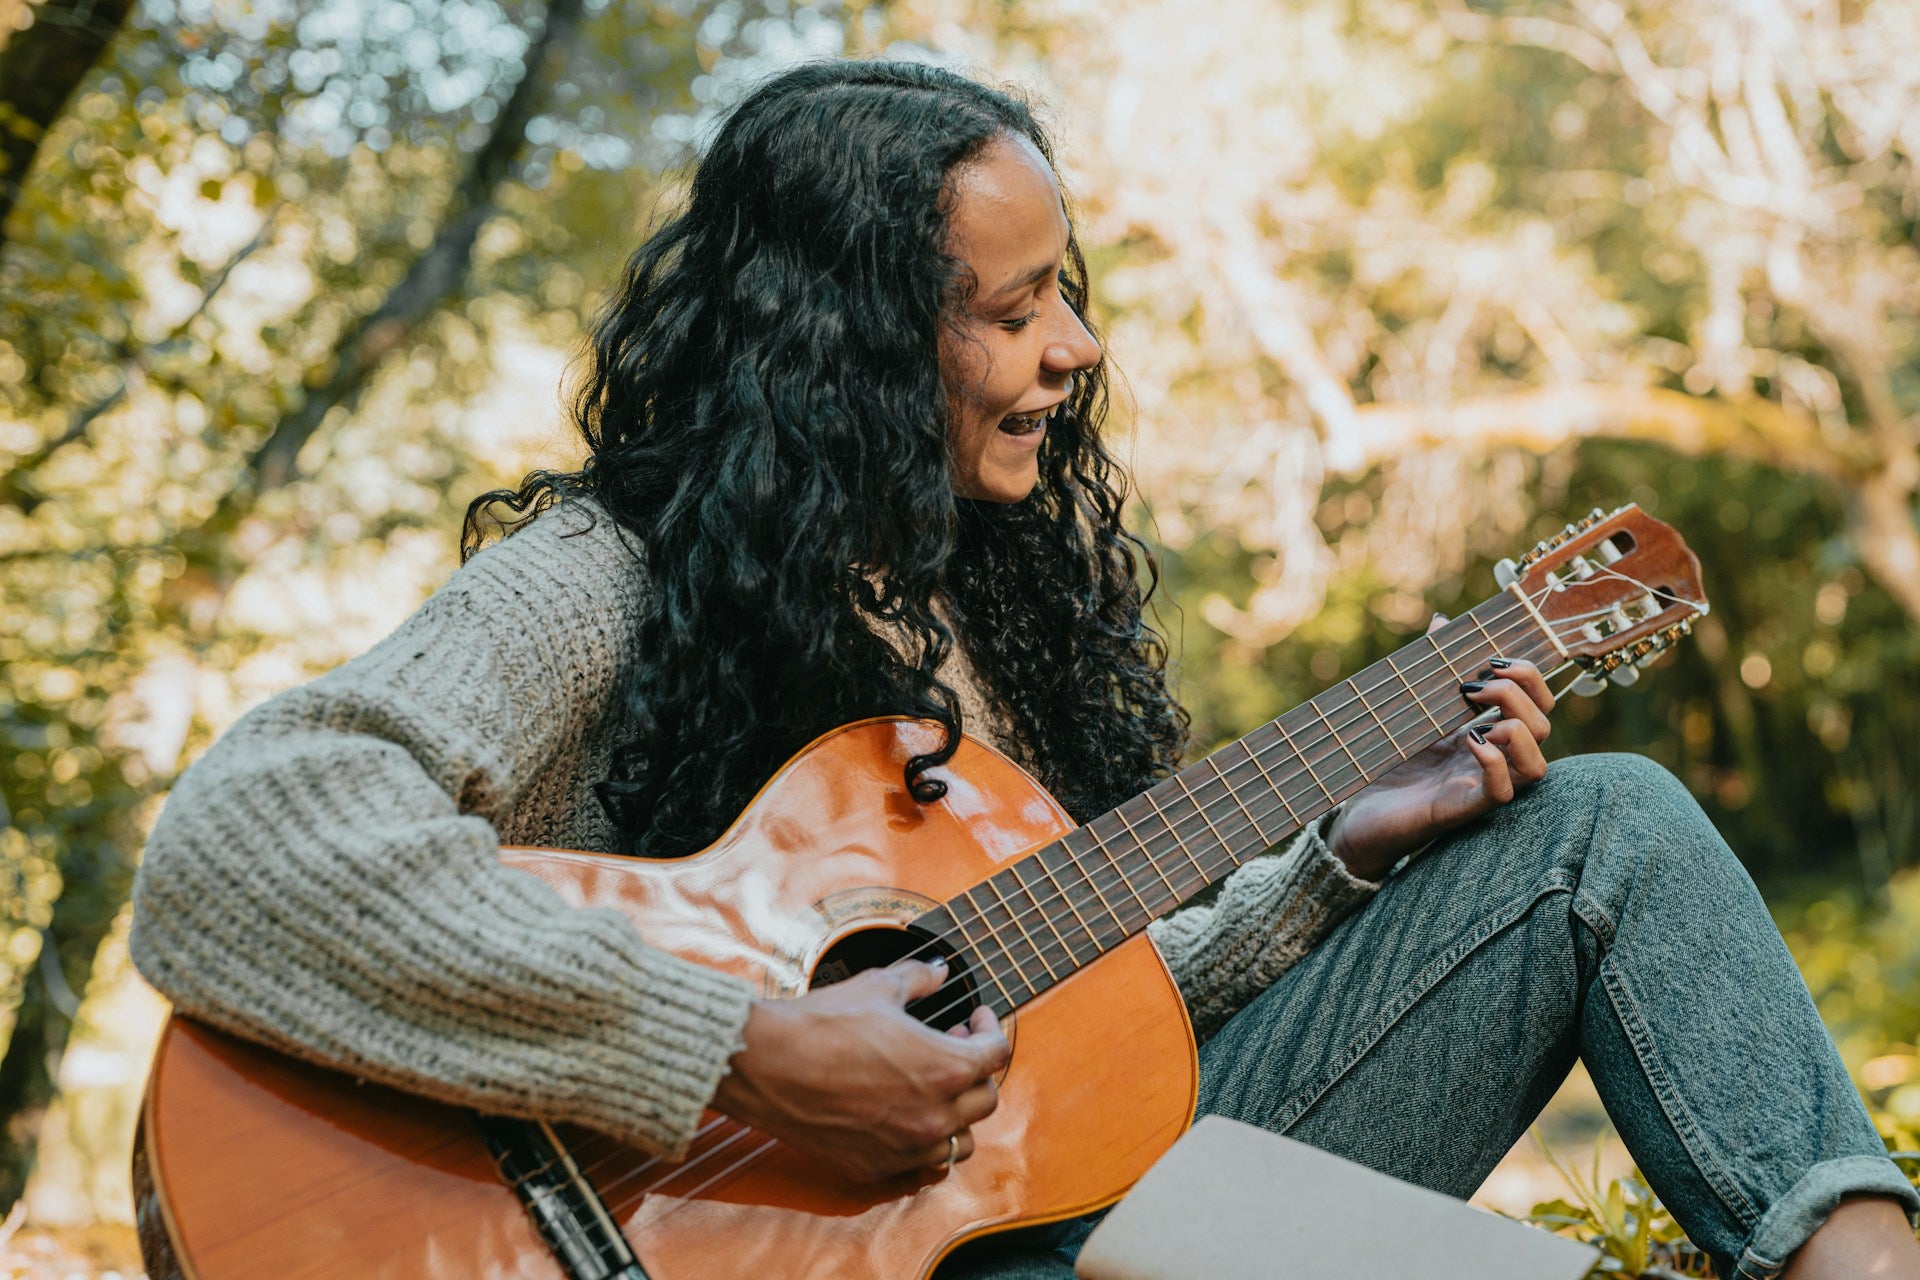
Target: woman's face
<point>1016,344</point>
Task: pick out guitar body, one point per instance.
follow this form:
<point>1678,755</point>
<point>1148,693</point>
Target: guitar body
<point>255,1164</point>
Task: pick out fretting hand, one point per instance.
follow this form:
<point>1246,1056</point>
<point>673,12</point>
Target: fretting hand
<point>845,1074</point>
<point>1458,778</point>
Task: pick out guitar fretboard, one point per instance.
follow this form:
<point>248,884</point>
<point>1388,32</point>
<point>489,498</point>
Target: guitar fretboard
<point>1037,921</point>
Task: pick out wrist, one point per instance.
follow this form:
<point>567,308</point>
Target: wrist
<point>1361,862</point>
<point>736,1087</point>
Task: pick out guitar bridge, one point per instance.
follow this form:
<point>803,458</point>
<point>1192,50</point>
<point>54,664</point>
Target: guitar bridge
<point>566,1210</point>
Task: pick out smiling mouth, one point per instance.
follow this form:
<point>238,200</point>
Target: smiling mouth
<point>1025,424</point>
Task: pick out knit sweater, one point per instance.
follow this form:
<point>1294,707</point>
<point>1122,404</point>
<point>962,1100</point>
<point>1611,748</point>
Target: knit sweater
<point>325,878</point>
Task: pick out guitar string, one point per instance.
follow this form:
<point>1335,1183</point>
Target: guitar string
<point>1141,849</point>
<point>1222,776</point>
<point>708,1156</point>
<point>1038,907</point>
<point>1225,777</point>
<point>687,1198</point>
<point>1040,949</point>
<point>1204,808</point>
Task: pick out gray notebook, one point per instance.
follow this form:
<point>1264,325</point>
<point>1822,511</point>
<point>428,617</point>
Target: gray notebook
<point>1233,1202</point>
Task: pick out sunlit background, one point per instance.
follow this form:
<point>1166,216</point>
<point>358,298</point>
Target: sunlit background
<point>1395,287</point>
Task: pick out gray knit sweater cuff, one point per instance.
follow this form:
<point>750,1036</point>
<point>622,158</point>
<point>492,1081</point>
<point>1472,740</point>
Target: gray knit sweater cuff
<point>1269,914</point>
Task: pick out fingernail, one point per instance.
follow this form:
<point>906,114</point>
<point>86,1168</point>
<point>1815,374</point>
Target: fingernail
<point>1472,686</point>
<point>1485,673</point>
<point>1499,663</point>
<point>1478,735</point>
<point>939,963</point>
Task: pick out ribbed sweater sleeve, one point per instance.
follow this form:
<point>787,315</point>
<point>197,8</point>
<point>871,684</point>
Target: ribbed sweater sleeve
<point>325,878</point>
<point>1268,915</point>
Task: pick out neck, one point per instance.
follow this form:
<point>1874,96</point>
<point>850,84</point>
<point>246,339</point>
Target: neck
<point>1037,921</point>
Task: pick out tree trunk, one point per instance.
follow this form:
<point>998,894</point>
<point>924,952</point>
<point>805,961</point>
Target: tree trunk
<point>435,274</point>
<point>96,872</point>
<point>39,70</point>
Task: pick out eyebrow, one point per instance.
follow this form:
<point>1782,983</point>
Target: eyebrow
<point>1027,281</point>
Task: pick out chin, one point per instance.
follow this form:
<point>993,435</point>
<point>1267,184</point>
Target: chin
<point>1005,490</point>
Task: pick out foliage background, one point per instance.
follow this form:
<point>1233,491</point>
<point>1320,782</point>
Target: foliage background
<point>1397,288</point>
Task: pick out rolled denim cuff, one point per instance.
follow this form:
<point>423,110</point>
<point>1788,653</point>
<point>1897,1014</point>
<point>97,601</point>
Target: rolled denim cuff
<point>1798,1214</point>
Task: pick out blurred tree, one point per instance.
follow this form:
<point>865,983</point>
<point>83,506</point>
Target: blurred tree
<point>40,67</point>
<point>1377,269</point>
<point>261,269</point>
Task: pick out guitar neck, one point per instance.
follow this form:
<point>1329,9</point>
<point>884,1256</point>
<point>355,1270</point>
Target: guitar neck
<point>1039,920</point>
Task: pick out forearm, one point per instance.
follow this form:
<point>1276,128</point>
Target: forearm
<point>328,909</point>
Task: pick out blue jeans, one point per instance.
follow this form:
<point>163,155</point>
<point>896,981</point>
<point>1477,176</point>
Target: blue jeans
<point>1599,915</point>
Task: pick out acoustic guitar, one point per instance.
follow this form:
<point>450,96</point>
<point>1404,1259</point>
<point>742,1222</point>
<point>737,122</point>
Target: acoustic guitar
<point>251,1164</point>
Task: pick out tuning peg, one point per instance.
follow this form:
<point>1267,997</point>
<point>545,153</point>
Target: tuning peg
<point>1506,572</point>
<point>1588,684</point>
<point>1624,674</point>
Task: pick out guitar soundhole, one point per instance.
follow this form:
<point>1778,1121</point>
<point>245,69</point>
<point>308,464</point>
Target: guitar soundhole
<point>867,949</point>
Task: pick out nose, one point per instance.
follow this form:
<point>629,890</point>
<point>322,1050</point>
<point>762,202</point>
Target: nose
<point>1073,348</point>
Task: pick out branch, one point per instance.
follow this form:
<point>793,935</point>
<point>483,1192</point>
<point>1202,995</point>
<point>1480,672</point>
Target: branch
<point>436,273</point>
<point>16,486</point>
<point>1542,419</point>
<point>39,70</point>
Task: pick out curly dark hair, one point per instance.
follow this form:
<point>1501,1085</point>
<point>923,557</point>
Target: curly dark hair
<point>764,409</point>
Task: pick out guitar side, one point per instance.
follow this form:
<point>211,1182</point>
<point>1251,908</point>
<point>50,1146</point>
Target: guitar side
<point>262,1165</point>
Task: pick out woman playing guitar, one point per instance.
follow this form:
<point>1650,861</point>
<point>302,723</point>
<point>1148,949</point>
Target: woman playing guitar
<point>844,423</point>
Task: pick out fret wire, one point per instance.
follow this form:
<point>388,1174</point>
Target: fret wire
<point>1145,854</point>
<point>1234,796</point>
<point>1421,708</point>
<point>1066,896</point>
<point>1015,918</point>
<point>1288,739</point>
<point>1418,701</point>
<point>1334,733</point>
<point>1072,960</point>
<point>1122,871</point>
<point>1360,695</point>
<point>1177,841</point>
<point>1453,673</point>
<point>979,951</point>
<point>1005,950</point>
<point>1092,883</point>
<point>1258,764</point>
<point>1491,642</point>
<point>1226,846</point>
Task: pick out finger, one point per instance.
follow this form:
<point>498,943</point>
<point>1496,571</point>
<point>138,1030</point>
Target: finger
<point>1524,674</point>
<point>1513,702</point>
<point>935,1157</point>
<point>1439,621</point>
<point>1526,763</point>
<point>1496,780</point>
<point>977,1103</point>
<point>981,1021</point>
<point>916,979</point>
<point>989,1046</point>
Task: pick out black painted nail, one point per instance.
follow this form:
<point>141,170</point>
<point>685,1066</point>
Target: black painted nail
<point>1478,735</point>
<point>1500,663</point>
<point>1484,673</point>
<point>1472,686</point>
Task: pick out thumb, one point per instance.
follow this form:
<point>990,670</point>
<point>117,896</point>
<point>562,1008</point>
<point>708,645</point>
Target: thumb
<point>1439,621</point>
<point>914,979</point>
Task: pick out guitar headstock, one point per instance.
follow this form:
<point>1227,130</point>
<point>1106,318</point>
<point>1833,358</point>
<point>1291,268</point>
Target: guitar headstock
<point>1614,591</point>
